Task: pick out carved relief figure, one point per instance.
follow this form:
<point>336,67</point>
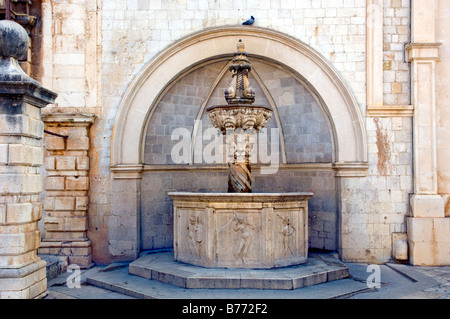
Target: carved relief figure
<point>195,236</point>
<point>287,230</point>
<point>242,227</point>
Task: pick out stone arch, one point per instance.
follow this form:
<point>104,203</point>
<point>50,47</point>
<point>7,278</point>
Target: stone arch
<point>176,108</point>
<point>318,73</point>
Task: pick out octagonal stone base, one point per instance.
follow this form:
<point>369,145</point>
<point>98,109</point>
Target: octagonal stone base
<point>241,230</point>
<point>160,266</point>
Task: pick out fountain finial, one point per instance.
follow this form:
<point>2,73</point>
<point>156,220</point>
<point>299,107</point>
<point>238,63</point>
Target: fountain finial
<point>241,46</point>
<point>240,91</point>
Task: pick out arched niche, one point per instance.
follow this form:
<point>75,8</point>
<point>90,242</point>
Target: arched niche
<point>336,99</point>
<point>303,128</point>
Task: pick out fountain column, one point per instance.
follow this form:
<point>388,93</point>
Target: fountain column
<point>239,120</point>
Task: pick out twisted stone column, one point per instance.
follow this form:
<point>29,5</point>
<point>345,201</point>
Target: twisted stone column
<point>239,150</point>
<point>239,178</point>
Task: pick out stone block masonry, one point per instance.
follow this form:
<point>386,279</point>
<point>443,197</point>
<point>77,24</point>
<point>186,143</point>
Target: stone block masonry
<point>396,32</point>
<point>66,187</point>
<point>374,208</point>
<point>22,272</point>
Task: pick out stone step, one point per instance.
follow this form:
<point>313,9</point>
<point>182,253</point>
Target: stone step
<point>320,268</point>
<point>121,281</point>
<point>56,265</point>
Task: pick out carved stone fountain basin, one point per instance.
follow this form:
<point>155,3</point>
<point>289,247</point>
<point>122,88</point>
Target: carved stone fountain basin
<point>241,230</point>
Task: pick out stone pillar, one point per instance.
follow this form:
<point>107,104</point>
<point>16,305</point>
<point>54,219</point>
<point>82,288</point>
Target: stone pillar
<point>22,272</point>
<point>428,229</point>
<point>66,187</point>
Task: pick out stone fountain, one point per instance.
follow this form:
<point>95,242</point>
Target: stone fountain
<point>239,239</point>
<point>240,229</point>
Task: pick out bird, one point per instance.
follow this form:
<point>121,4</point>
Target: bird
<point>249,21</point>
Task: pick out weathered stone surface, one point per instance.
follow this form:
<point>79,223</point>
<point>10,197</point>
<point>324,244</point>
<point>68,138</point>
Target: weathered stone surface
<point>400,246</point>
<point>22,273</point>
<point>54,183</point>
<point>67,185</point>
<point>162,267</point>
<point>244,230</point>
<point>427,206</point>
<point>14,39</point>
<point>77,183</point>
<point>429,241</point>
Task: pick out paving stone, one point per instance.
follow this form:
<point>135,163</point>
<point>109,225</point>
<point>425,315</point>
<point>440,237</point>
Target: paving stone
<point>84,292</point>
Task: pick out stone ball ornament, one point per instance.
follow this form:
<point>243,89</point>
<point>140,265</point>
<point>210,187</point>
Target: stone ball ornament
<point>14,42</point>
<point>13,39</point>
<point>14,80</point>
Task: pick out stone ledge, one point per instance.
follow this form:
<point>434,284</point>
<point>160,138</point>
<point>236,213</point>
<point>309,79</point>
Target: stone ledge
<point>56,265</point>
<point>243,197</point>
<point>390,110</point>
<point>72,119</point>
<point>321,268</point>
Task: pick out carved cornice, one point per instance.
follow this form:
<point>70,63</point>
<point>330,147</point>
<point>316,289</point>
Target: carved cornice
<point>127,171</point>
<point>351,169</point>
<point>422,51</point>
<point>390,110</point>
<point>70,119</point>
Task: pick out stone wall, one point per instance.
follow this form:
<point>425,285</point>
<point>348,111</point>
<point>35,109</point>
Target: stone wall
<point>135,31</point>
<point>443,100</point>
<point>396,31</point>
<point>374,207</point>
<point>66,187</point>
<point>71,52</point>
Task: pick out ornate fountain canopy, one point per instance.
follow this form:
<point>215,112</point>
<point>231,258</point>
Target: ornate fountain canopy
<point>232,117</point>
<point>240,91</point>
<point>239,113</point>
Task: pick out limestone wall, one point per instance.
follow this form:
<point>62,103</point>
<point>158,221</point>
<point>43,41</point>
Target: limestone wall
<point>135,31</point>
<point>396,33</point>
<point>375,207</point>
<point>71,51</point>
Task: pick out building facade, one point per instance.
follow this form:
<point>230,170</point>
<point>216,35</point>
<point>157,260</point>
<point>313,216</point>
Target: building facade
<point>359,90</point>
